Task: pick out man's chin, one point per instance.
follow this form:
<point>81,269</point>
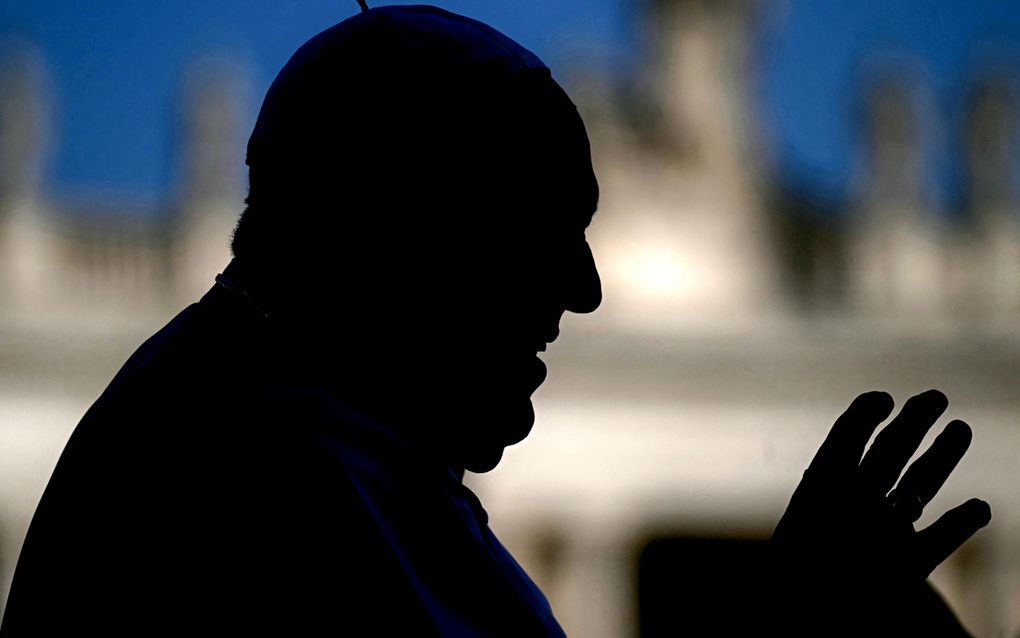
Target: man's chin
<point>484,462</point>
<point>508,426</point>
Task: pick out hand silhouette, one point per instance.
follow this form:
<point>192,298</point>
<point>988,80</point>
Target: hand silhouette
<point>849,558</point>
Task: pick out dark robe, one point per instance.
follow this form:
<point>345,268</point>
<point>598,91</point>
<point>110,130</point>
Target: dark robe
<point>217,486</point>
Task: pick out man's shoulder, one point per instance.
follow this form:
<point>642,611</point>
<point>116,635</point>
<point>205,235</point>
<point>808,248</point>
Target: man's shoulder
<point>205,360</point>
<point>195,411</point>
<point>207,339</point>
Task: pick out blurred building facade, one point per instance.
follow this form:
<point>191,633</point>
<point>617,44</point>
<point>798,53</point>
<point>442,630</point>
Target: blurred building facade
<point>739,320</point>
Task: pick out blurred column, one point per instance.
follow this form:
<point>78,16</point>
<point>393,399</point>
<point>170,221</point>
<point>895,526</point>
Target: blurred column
<point>210,159</point>
<point>681,239</point>
<point>598,590</point>
<point>25,244</point>
<point>990,202</point>
<point>897,258</point>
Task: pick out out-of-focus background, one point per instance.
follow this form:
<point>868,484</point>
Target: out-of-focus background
<point>800,201</point>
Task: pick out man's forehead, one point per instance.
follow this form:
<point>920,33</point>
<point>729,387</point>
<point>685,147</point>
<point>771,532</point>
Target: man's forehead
<point>573,186</point>
<point>591,204</point>
<point>582,207</point>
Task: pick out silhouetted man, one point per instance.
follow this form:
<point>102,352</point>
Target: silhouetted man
<point>285,457</point>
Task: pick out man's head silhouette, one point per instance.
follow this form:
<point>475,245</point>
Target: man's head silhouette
<point>419,191</point>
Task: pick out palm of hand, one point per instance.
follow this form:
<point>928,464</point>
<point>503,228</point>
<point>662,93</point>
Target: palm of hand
<point>846,546</point>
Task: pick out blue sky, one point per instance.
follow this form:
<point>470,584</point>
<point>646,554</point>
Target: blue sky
<point>114,67</point>
<point>812,54</point>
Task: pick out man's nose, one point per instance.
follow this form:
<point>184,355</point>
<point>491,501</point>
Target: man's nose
<point>583,285</point>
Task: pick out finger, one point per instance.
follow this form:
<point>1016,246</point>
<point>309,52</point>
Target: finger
<point>841,451</point>
<point>898,441</point>
<point>925,476</point>
<point>936,542</point>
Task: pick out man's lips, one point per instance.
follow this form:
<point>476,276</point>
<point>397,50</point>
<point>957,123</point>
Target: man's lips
<point>550,336</point>
<point>539,341</point>
<point>524,345</point>
<point>520,370</point>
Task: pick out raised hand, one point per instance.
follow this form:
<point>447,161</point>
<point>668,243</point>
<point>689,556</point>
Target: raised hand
<point>849,558</point>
